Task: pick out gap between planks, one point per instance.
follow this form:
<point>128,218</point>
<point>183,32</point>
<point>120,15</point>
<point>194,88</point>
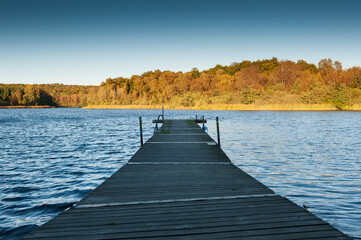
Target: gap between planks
<point>172,200</point>
<point>180,163</point>
<point>209,143</point>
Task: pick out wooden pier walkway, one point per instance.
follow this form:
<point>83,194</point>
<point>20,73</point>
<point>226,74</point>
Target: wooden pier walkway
<point>181,185</point>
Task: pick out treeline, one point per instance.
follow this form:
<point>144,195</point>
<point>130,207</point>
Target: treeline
<point>261,82</point>
<point>56,95</point>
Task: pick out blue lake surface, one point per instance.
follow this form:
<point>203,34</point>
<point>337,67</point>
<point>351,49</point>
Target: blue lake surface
<point>51,158</point>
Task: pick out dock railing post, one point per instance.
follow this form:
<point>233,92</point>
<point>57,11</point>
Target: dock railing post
<point>203,122</point>
<point>141,131</point>
<point>218,137</point>
<point>163,114</point>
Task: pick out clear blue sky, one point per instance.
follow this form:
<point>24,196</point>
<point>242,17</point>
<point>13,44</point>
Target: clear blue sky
<point>86,41</point>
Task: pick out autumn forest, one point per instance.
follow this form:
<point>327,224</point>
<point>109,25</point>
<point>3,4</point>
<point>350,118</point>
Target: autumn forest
<point>259,82</point>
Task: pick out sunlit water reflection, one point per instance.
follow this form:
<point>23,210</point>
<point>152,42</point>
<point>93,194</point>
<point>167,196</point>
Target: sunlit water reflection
<point>51,158</point>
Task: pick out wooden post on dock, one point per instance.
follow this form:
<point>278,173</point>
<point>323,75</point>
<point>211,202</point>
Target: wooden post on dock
<point>163,114</point>
<point>141,131</point>
<point>218,137</point>
<point>203,122</point>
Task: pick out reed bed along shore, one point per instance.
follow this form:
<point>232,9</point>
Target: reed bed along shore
<point>236,107</point>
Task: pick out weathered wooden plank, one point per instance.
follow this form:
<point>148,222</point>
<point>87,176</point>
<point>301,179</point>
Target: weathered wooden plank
<point>228,230</point>
<point>165,217</point>
<point>189,220</point>
<point>204,226</point>
<point>167,213</point>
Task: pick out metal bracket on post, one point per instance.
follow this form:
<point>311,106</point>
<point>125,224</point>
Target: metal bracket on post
<point>141,131</point>
<point>218,137</point>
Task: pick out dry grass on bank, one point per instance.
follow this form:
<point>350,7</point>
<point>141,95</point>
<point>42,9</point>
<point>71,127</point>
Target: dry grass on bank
<point>355,107</point>
<point>125,107</point>
<point>235,107</point>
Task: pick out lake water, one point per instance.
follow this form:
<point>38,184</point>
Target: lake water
<point>51,158</point>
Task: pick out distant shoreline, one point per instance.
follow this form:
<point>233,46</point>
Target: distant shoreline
<point>229,107</point>
<point>236,107</point>
<point>42,106</point>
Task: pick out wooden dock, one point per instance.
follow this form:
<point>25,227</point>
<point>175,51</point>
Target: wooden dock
<point>181,185</point>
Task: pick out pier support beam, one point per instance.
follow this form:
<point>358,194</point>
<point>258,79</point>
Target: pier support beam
<point>218,137</point>
<point>141,131</point>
